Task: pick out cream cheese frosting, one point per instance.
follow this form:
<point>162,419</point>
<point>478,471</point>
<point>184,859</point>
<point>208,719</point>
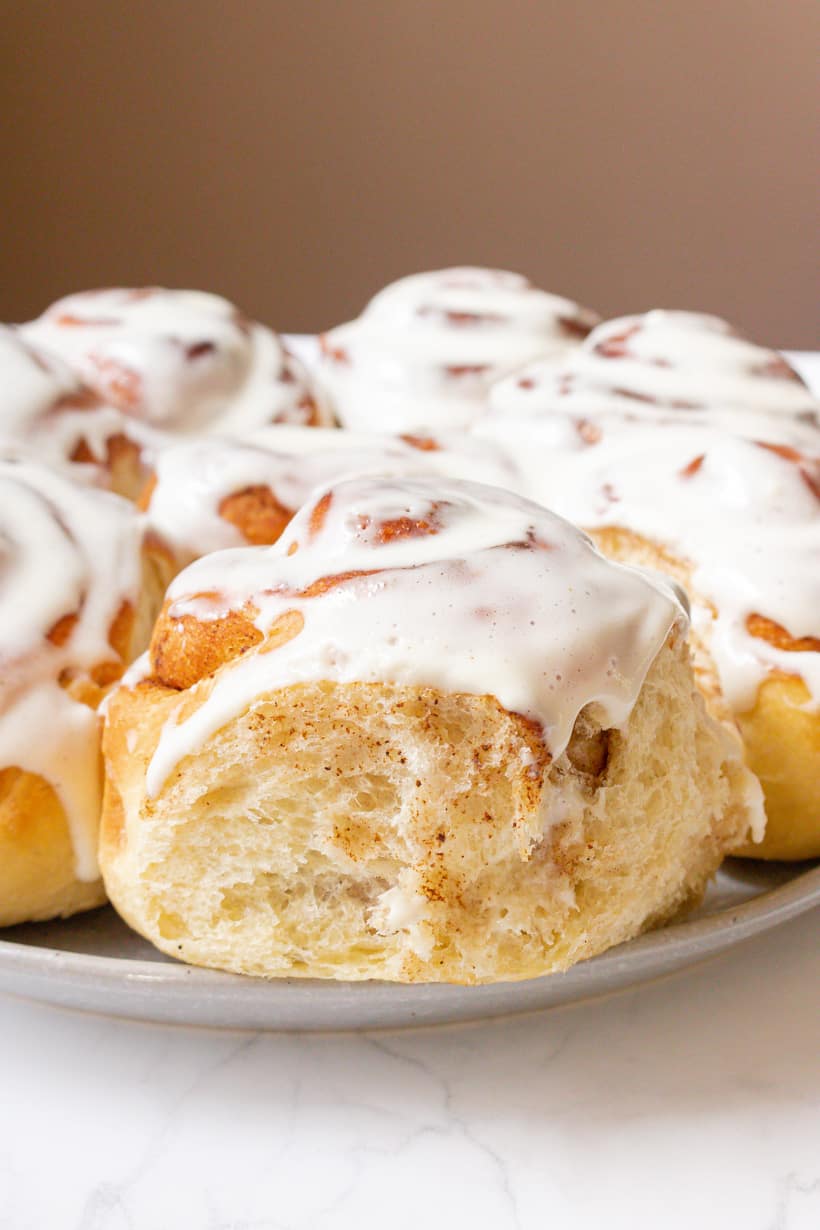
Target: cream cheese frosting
<point>177,361</point>
<point>742,513</point>
<point>661,361</point>
<point>425,350</point>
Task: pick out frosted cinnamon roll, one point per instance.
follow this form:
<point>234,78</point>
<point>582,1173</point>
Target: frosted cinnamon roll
<point>430,735</point>
<point>75,608</point>
<point>426,349</point>
<point>207,495</point>
<point>662,362</point>
<point>737,521</point>
<point>177,362</point>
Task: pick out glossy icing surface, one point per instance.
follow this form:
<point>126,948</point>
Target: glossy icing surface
<point>660,362</point>
<point>176,361</point>
<point>196,481</point>
<point>743,513</point>
<point>426,349</point>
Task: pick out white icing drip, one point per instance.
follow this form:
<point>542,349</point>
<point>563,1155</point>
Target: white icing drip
<point>460,586</point>
<point>193,479</point>
<point>64,551</point>
<point>426,349</point>
<point>746,517</point>
<point>660,362</point>
<point>177,361</point>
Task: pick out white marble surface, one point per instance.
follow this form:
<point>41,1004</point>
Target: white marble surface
<point>694,1102</point>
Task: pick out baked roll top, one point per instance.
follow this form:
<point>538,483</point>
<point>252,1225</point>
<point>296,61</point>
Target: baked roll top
<point>155,365</point>
<point>657,363</point>
<point>178,360</point>
<point>425,350</point>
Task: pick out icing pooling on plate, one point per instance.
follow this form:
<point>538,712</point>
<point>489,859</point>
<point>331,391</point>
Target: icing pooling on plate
<point>743,513</point>
<point>69,561</point>
<point>660,361</point>
<point>426,348</point>
<point>429,582</point>
<point>176,360</point>
<point>194,480</point>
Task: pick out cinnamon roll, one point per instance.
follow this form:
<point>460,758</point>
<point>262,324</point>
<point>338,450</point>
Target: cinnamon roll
<point>426,349</point>
<point>75,608</point>
<point>173,363</point>
<point>430,735</point>
<point>736,519</point>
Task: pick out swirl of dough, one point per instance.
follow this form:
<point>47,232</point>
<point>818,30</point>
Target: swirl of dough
<point>426,348</point>
<point>425,581</point>
<point>70,581</point>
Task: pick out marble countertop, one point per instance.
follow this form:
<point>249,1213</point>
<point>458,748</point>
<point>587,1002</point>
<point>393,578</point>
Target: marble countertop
<point>693,1102</point>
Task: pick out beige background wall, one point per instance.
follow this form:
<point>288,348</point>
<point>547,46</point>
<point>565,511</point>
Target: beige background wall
<point>297,155</point>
